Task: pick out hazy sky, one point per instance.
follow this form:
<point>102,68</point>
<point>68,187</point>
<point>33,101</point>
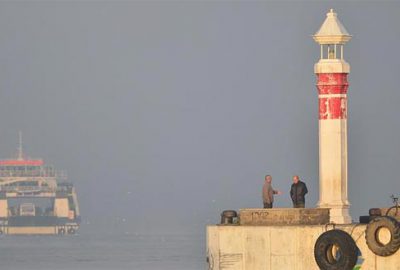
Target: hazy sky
<point>166,113</point>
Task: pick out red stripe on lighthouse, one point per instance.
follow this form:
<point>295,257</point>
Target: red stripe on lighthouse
<point>333,108</point>
<point>332,88</point>
<point>332,83</point>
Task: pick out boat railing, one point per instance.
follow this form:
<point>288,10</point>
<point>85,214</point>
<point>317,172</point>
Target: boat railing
<point>42,189</point>
<point>26,189</point>
<point>36,173</point>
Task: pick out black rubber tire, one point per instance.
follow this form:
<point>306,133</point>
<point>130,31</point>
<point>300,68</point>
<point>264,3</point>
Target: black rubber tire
<point>345,243</point>
<point>61,231</point>
<point>365,219</point>
<point>229,213</point>
<point>375,212</point>
<point>71,231</point>
<point>371,236</point>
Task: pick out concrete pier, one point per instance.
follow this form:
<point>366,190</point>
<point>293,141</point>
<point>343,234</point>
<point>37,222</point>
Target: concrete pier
<point>288,247</point>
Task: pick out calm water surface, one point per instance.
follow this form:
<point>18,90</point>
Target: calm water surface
<point>98,251</point>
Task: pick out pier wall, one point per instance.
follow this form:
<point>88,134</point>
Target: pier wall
<point>281,247</point>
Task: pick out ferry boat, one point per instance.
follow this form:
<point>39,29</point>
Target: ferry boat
<point>35,198</point>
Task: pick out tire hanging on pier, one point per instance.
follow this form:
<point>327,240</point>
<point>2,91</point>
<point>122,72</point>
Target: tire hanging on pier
<point>335,250</point>
<point>376,242</point>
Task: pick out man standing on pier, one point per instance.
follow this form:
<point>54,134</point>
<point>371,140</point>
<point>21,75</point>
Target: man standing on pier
<point>298,192</point>
<point>268,192</point>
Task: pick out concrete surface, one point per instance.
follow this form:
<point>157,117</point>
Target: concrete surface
<point>284,216</point>
<point>281,247</point>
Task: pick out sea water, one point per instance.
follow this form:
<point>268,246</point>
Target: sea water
<point>103,251</point>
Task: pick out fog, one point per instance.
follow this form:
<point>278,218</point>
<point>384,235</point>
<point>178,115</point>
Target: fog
<point>166,113</point>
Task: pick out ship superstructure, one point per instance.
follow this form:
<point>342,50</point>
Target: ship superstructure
<point>35,198</point>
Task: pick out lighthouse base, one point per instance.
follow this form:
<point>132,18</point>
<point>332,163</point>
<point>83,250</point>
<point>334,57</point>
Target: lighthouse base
<point>338,213</point>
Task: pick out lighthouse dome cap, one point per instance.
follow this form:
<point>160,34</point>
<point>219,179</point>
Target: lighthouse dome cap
<point>332,31</point>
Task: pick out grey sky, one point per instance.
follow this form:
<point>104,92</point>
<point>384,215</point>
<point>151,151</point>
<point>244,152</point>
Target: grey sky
<point>167,113</point>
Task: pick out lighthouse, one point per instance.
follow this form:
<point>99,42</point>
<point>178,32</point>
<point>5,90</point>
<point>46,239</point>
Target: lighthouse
<point>331,71</point>
<point>302,238</point>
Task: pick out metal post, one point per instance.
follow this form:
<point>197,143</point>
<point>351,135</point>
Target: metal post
<point>341,51</point>
<point>322,51</point>
<point>335,50</point>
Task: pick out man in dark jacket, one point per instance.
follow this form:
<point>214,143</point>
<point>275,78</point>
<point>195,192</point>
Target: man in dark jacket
<point>297,192</point>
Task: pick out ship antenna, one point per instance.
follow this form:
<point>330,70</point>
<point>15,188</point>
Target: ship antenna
<point>20,150</point>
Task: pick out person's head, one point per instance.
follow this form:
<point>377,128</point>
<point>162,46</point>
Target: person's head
<point>296,179</point>
<point>268,178</point>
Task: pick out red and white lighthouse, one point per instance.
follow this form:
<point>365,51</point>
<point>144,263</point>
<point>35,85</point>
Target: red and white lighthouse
<point>332,85</point>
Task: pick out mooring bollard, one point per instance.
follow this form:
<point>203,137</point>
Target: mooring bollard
<point>227,217</point>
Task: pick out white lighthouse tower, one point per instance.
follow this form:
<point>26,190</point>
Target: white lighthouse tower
<point>332,85</point>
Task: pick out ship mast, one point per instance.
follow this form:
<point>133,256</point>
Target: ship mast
<point>20,150</point>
